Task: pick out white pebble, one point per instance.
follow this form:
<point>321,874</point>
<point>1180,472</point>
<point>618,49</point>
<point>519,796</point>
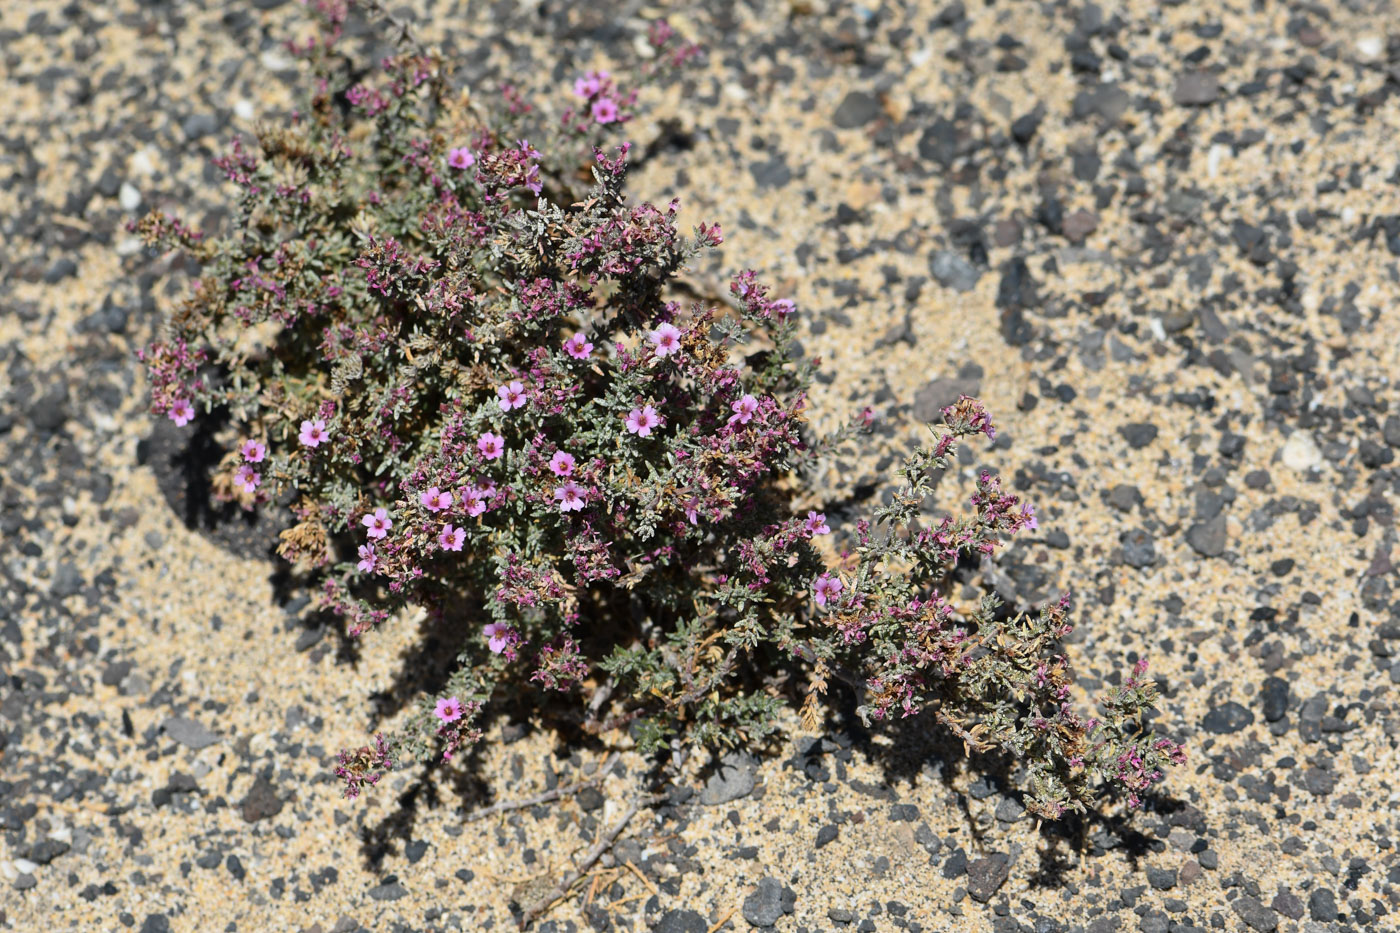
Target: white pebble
<point>129,197</point>
<point>1300,452</point>
<point>243,109</point>
<point>1370,47</point>
<point>26,867</point>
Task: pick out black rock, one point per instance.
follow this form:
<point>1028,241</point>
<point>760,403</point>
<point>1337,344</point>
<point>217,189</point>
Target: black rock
<point>198,125</point>
<point>826,834</point>
<point>1226,718</point>
<point>857,108</point>
<point>1255,914</point>
<point>1139,549</point>
<point>1023,127</point>
<point>904,813</point>
<point>589,799</point>
<point>1010,810</point>
<point>390,891</point>
<point>734,778</point>
<point>681,921</point>
<point>46,850</point>
<point>1322,905</point>
<point>764,905</point>
<point>1138,434</point>
<point>956,864</point>
<point>1124,497</point>
<point>50,410</point>
<point>1275,698</point>
<point>235,868</point>
<point>774,173</point>
<point>156,923</point>
<point>1208,538</point>
<point>1391,430</point>
<point>62,268</point>
<point>951,270</point>
<point>188,733</point>
<point>986,875</point>
<point>1163,879</point>
<point>1288,904</point>
<point>939,143</point>
<point>839,915</point>
<point>415,850</point>
<point>261,801</point>
<point>933,396</point>
<point>1196,89</point>
<point>1319,781</point>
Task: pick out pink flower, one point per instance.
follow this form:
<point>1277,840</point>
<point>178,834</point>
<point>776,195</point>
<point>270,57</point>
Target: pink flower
<point>461,157</point>
<point>590,84</point>
<point>435,500</point>
<point>313,433</point>
<point>246,478</point>
<point>816,524</point>
<point>451,538</point>
<point>562,464</point>
<point>368,559</point>
<point>254,451</point>
<point>473,501</point>
<point>491,445</point>
<point>783,309</point>
<point>826,587</point>
<point>744,410</point>
<point>641,420</point>
<point>181,411</point>
<point>667,339</point>
<point>578,347</point>
<point>512,395</point>
<point>378,523</point>
<point>1028,517</point>
<point>604,110</point>
<point>498,636</point>
<point>448,709</point>
<point>487,490</point>
<point>570,496</point>
<point>692,510</point>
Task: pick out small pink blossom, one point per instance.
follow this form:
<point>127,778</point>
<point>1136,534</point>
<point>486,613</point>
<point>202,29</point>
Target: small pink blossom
<point>435,500</point>
<point>181,411</point>
<point>313,433</point>
<point>570,496</point>
<point>816,524</point>
<point>451,538</point>
<point>562,464</point>
<point>744,410</point>
<point>487,490</point>
<point>368,559</point>
<point>640,421</point>
<point>1028,517</point>
<point>512,395</point>
<point>826,587</point>
<point>254,451</point>
<point>473,501</point>
<point>692,510</point>
<point>590,84</point>
<point>667,338</point>
<point>247,479</point>
<point>491,445</point>
<point>578,347</point>
<point>604,110</point>
<point>378,523</point>
<point>461,157</point>
<point>497,635</point>
<point>449,709</point>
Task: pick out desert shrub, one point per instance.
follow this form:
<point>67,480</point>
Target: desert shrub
<point>469,375</point>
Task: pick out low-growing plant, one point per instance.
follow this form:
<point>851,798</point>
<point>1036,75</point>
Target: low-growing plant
<point>484,402</point>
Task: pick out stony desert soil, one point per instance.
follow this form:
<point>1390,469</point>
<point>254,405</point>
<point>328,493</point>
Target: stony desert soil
<point>1160,240</point>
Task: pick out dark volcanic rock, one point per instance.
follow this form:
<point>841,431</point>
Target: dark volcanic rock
<point>1226,718</point>
<point>986,875</point>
